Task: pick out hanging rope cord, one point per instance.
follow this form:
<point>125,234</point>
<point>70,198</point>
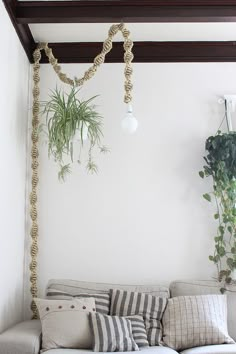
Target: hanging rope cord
<point>99,60</point>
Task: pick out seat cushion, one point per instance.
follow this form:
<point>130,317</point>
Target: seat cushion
<point>212,349</point>
<point>146,350</point>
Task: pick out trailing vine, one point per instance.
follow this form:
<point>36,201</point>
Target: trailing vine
<point>221,166</point>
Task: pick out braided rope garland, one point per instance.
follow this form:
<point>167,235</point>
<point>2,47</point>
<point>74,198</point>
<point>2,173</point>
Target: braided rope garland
<point>34,181</point>
<point>99,59</point>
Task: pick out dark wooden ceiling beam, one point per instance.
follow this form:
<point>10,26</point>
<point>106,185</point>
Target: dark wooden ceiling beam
<point>22,30</point>
<point>127,11</point>
<point>147,52</point>
<point>22,13</point>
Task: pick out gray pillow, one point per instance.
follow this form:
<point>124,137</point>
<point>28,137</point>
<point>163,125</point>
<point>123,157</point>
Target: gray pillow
<point>126,303</point>
<point>112,333</point>
<point>138,330</point>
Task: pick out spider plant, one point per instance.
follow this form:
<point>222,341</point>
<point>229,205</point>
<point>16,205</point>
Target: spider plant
<point>69,119</point>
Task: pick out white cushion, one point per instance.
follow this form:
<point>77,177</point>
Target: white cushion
<point>197,320</point>
<point>146,350</point>
<point>212,349</point>
<point>65,323</point>
<point>203,287</point>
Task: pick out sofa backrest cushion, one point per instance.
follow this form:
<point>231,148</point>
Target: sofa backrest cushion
<point>74,287</point>
<point>205,287</point>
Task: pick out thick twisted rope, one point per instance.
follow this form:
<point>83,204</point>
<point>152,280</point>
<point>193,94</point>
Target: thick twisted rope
<point>34,182</point>
<point>100,58</point>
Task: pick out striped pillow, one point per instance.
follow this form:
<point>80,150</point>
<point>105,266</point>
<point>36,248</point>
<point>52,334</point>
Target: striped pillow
<point>112,333</point>
<point>126,303</point>
<point>138,330</point>
<point>102,301</point>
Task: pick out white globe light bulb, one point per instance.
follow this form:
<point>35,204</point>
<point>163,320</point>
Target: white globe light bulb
<point>129,123</point>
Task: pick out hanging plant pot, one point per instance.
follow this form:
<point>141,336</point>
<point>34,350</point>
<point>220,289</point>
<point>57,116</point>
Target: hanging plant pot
<point>82,132</point>
<point>72,121</point>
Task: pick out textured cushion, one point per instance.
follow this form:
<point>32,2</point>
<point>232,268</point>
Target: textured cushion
<point>112,333</point>
<point>138,330</point>
<point>102,301</point>
<point>80,287</point>
<point>126,303</point>
<point>65,323</point>
<point>146,350</point>
<point>191,321</point>
<point>201,287</point>
<point>23,338</point>
<point>212,349</point>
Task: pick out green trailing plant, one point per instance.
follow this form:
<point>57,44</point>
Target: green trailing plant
<point>220,164</point>
<point>67,118</point>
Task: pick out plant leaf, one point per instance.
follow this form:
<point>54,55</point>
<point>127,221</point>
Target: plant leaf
<point>207,197</point>
<point>64,171</point>
<point>201,174</point>
<point>92,167</point>
<point>222,290</point>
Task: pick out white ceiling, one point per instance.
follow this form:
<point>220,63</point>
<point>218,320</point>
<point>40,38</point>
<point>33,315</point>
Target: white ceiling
<point>90,32</point>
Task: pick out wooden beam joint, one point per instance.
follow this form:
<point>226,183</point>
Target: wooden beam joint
<point>24,12</point>
<point>22,30</point>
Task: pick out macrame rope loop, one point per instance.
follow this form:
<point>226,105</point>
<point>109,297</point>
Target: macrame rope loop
<point>98,61</point>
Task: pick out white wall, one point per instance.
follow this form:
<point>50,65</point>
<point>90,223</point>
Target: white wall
<point>142,218</point>
<point>13,117</point>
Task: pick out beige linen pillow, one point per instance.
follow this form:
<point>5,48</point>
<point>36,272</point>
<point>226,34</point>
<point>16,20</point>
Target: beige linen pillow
<point>65,323</point>
<point>102,300</point>
<point>192,321</point>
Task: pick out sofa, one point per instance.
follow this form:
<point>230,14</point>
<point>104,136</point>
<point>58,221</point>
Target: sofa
<point>25,337</point>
